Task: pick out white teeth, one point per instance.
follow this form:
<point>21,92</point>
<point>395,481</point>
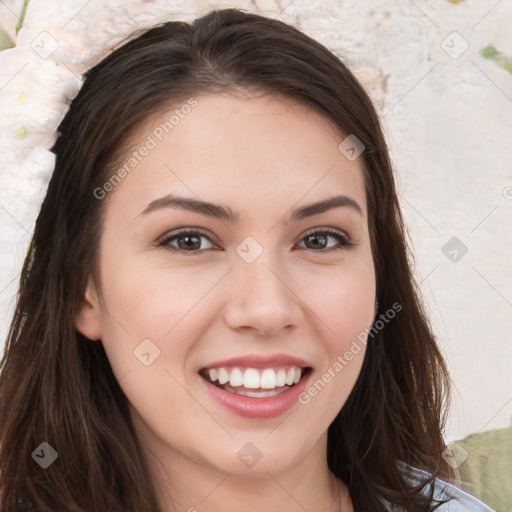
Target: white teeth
<point>223,376</point>
<point>252,378</point>
<point>236,378</point>
<point>268,379</point>
<point>257,394</point>
<point>281,378</point>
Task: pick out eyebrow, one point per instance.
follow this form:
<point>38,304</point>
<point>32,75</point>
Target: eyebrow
<point>226,213</point>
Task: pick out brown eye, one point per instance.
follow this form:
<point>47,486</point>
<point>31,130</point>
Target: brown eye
<point>187,242</point>
<point>318,240</point>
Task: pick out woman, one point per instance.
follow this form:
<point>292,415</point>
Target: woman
<point>217,310</point>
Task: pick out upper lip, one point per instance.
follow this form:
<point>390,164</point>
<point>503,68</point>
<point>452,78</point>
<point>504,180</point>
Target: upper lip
<point>260,361</point>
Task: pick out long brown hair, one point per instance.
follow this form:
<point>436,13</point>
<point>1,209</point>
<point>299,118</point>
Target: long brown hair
<point>57,387</point>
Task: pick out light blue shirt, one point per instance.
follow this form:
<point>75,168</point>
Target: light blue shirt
<point>461,501</point>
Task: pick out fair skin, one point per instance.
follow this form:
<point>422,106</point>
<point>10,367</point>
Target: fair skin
<point>263,157</point>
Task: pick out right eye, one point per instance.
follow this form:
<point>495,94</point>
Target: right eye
<point>323,235</point>
<point>188,242</point>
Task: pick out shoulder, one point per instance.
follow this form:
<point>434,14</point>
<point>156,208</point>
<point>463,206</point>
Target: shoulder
<point>459,501</point>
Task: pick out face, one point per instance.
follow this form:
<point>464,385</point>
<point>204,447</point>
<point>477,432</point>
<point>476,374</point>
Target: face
<point>257,290</point>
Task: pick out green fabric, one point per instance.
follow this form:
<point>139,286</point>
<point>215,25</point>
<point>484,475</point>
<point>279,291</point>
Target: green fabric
<point>5,40</point>
<point>485,466</point>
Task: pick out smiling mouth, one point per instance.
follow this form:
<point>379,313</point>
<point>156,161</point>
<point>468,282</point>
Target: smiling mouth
<point>255,383</point>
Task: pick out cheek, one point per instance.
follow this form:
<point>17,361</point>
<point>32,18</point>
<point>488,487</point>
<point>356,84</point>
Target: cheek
<point>161,303</point>
<point>344,301</point>
<point>148,333</point>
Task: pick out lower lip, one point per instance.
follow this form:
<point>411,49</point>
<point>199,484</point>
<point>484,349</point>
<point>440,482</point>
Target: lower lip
<point>257,408</point>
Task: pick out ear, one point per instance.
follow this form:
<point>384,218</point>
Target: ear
<point>88,320</point>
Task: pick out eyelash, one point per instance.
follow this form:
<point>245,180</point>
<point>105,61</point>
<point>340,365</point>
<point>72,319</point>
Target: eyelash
<point>338,235</point>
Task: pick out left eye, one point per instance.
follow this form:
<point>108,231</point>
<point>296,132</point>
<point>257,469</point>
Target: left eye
<point>189,242</point>
<point>339,236</point>
<point>186,240</point>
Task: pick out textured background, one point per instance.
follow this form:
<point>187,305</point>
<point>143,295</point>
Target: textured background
<point>446,110</point>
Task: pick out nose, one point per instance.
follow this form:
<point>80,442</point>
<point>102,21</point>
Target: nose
<point>262,298</point>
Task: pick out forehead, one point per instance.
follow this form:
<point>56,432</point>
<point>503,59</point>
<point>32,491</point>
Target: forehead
<point>239,150</point>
